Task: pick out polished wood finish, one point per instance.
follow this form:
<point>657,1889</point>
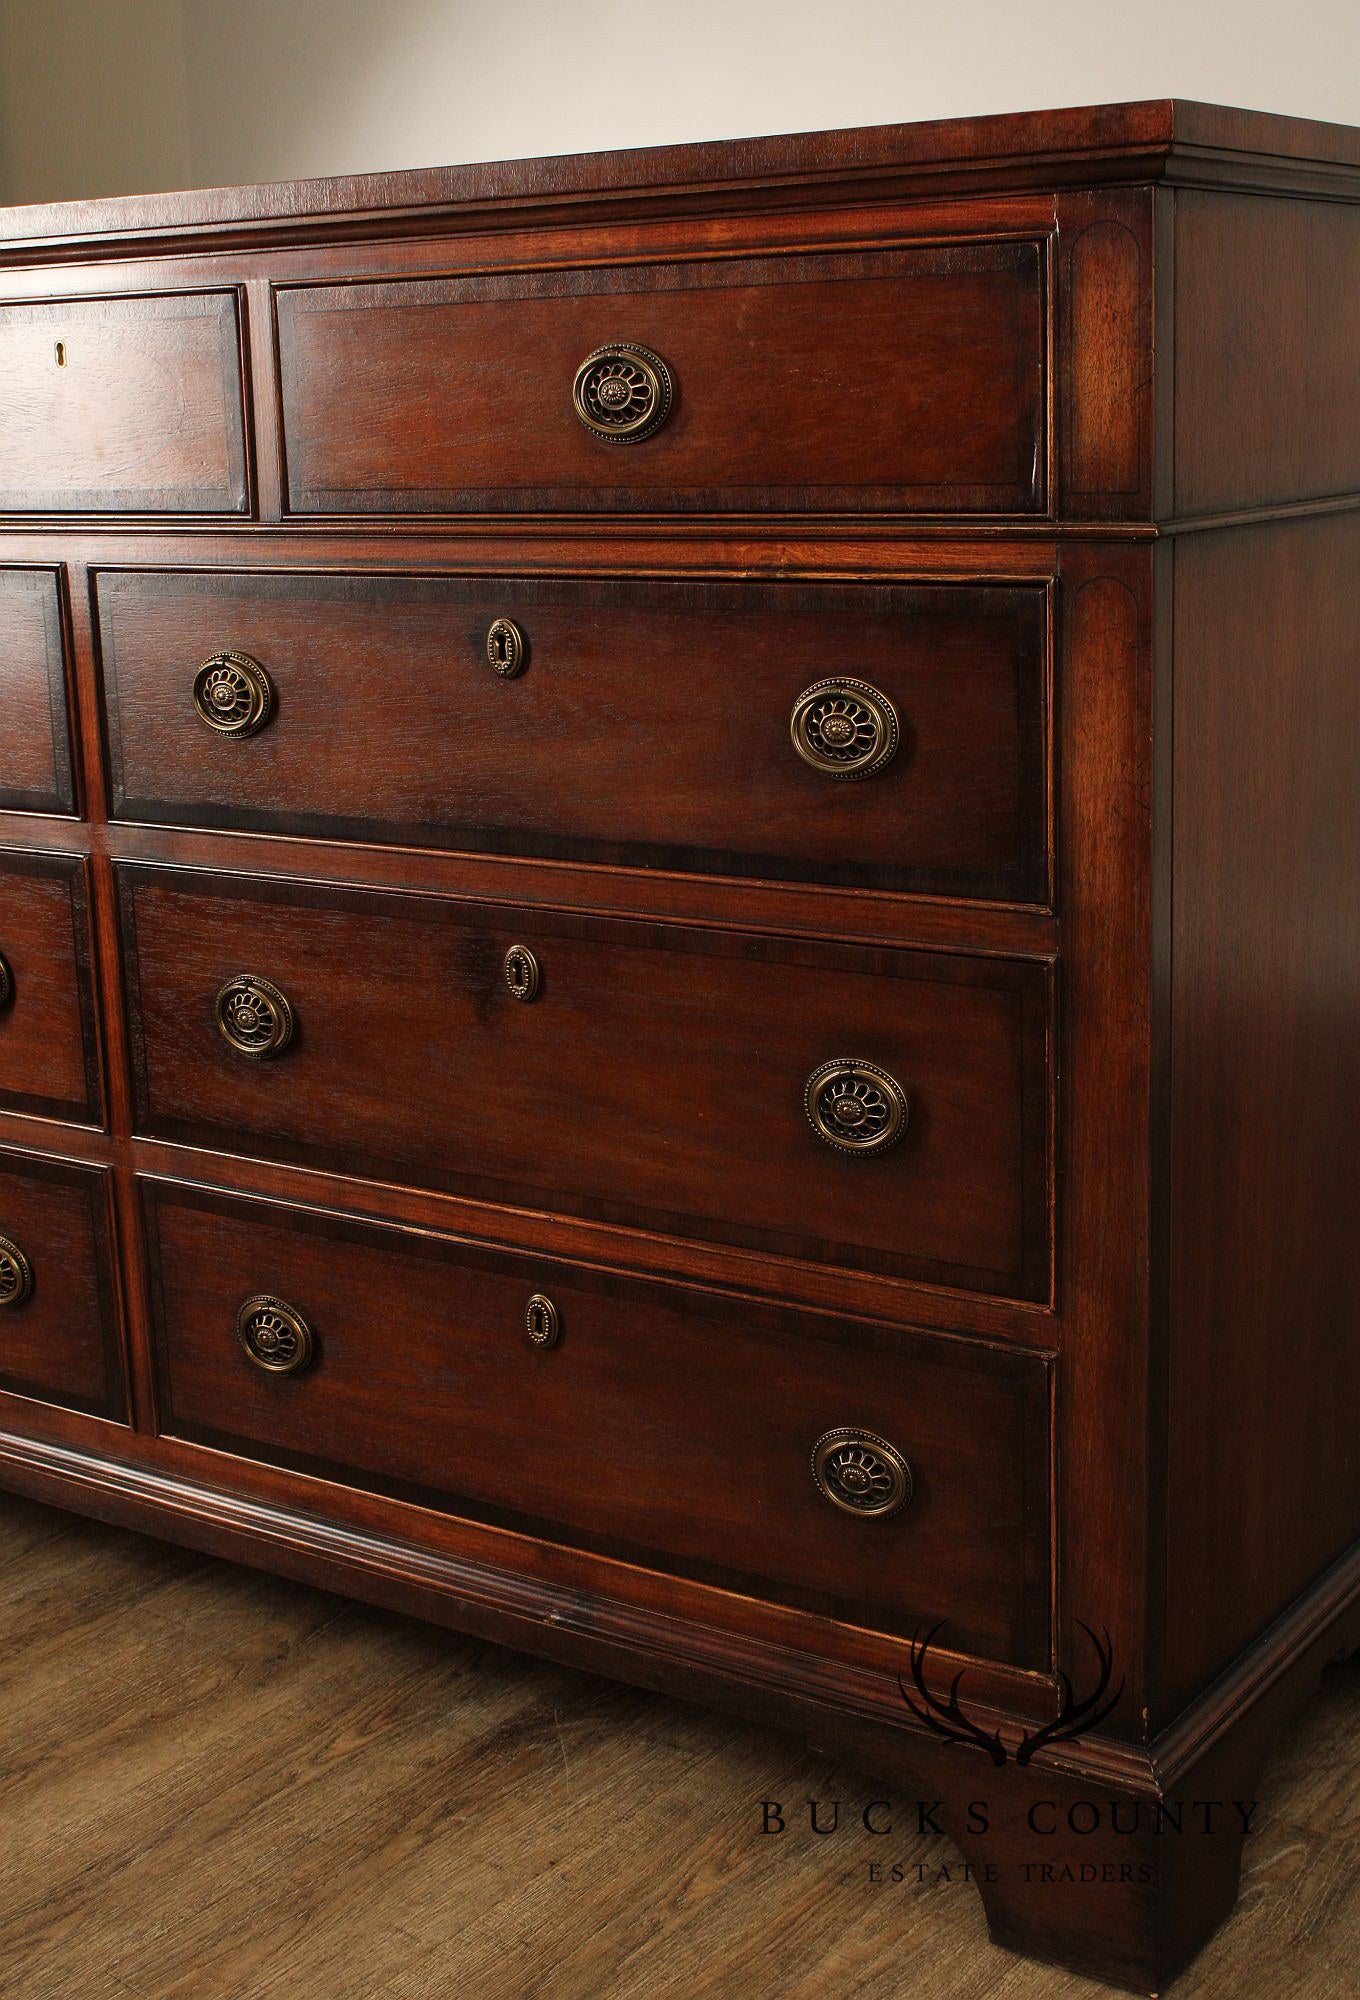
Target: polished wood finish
<point>648,726</point>
<point>35,745</point>
<point>892,379</point>
<point>663,1427</point>
<point>49,1059</point>
<point>1100,945</point>
<point>657,1079</point>
<point>122,403</point>
<point>62,1345</point>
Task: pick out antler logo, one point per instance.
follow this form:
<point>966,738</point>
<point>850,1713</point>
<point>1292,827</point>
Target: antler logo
<point>1074,1718</point>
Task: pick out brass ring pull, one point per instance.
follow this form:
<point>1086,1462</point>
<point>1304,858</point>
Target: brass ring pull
<point>16,1275</point>
<point>861,1473</point>
<point>522,973</point>
<point>275,1335</point>
<point>855,1106</point>
<point>542,1322</point>
<point>505,648</point>
<point>233,694</point>
<point>6,982</point>
<point>253,1017</point>
<point>622,393</point>
<point>844,728</point>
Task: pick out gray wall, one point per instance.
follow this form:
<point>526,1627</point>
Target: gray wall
<point>119,96</point>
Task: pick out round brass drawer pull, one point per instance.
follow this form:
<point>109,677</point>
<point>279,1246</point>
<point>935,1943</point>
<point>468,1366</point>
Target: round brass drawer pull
<point>844,728</point>
<point>233,694</point>
<point>856,1106</point>
<point>542,1322</point>
<point>622,393</point>
<point>522,973</point>
<point>16,1274</point>
<point>6,982</point>
<point>254,1017</point>
<point>506,650</point>
<point>861,1473</point>
<point>275,1335</point>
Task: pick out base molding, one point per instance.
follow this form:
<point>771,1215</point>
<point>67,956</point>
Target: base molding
<point>1116,1860</point>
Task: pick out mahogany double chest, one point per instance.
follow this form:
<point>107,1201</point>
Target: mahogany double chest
<point>680,934</point>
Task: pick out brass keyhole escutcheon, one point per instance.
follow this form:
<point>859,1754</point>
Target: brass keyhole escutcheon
<point>16,1275</point>
<point>275,1335</point>
<point>622,393</point>
<point>845,728</point>
<point>861,1473</point>
<point>522,974</point>
<point>254,1018</point>
<point>505,648</point>
<point>542,1322</point>
<point>855,1106</point>
<point>6,983</point>
<point>233,694</point>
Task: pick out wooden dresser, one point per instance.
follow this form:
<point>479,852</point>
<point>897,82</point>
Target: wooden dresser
<point>680,936</point>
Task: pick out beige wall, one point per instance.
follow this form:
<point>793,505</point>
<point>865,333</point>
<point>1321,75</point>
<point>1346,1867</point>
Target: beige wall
<point>113,96</point>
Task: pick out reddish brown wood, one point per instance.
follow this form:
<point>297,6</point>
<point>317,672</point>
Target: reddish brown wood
<point>131,403</point>
<point>656,1080</point>
<point>35,743</point>
<point>61,1344</point>
<point>895,379</point>
<point>49,1060</point>
<point>649,726</point>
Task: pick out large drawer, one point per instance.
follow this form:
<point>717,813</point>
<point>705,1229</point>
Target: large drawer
<point>650,724</point>
<point>909,379</point>
<point>130,404</point>
<point>58,1319</point>
<point>665,1425</point>
<point>35,737</point>
<point>656,1078</point>
<point>49,1060</point>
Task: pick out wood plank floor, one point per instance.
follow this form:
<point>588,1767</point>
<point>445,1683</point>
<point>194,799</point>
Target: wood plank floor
<point>218,1786</point>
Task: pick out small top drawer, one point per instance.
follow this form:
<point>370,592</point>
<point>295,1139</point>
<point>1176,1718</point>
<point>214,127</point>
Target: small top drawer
<point>35,737</point>
<point>897,380</point>
<point>122,405</point>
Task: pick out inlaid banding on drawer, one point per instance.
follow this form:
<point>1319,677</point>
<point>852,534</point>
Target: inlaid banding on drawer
<point>58,1319</point>
<point>49,1057</point>
<point>658,1080</point>
<point>123,405</point>
<point>897,380</point>
<point>660,1424</point>
<point>35,737</point>
<point>645,724</point>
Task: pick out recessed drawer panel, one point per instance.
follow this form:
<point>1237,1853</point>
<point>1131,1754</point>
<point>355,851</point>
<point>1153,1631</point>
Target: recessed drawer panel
<point>648,1075</point>
<point>58,1322</point>
<point>129,405</point>
<point>882,736</point>
<point>35,737</point>
<point>888,380</point>
<point>673,1427</point>
<point>48,1053</point>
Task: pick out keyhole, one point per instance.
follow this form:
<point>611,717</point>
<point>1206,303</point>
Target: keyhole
<point>501,643</point>
<point>61,354</point>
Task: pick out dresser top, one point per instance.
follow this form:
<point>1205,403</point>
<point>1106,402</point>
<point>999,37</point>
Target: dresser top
<point>1157,139</point>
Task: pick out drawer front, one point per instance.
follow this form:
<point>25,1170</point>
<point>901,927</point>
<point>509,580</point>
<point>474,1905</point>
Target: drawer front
<point>897,380</point>
<point>647,724</point>
<point>672,1427</point>
<point>656,1077</point>
<point>127,405</point>
<point>58,1319</point>
<point>49,1060</point>
<point>35,737</point>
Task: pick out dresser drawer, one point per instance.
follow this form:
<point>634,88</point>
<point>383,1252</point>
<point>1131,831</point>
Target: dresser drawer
<point>656,1078</point>
<point>895,379</point>
<point>122,405</point>
<point>652,724</point>
<point>673,1427</point>
<point>35,737</point>
<point>48,1052</point>
<point>58,1322</point>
